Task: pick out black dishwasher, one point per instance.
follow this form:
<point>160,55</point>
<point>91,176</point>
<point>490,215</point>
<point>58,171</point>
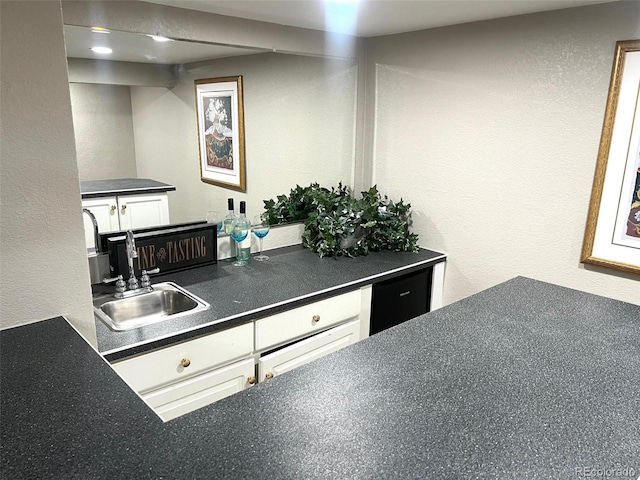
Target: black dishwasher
<point>400,299</point>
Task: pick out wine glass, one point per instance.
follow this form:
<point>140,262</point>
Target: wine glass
<point>215,218</point>
<point>239,232</point>
<point>260,229</point>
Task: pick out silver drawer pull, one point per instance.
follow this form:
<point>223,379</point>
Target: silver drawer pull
<point>405,293</point>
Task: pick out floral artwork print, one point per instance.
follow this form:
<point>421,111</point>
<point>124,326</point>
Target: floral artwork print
<point>218,134</point>
<point>220,124</point>
<point>633,222</point>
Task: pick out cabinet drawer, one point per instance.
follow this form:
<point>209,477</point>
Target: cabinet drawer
<point>309,349</point>
<point>160,367</point>
<point>183,397</point>
<point>303,321</point>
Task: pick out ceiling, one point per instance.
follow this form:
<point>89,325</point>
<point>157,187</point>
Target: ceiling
<point>139,48</point>
<point>364,18</point>
<point>370,18</point>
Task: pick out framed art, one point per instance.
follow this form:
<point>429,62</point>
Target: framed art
<point>612,234</point>
<point>220,120</point>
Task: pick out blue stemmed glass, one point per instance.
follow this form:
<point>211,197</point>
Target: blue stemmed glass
<point>260,229</point>
<point>216,218</point>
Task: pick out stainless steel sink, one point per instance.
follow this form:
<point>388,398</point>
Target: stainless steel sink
<point>167,300</point>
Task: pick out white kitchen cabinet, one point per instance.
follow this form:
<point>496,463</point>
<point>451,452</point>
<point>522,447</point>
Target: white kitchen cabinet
<point>141,211</point>
<point>182,377</point>
<point>307,350</point>
<point>125,212</point>
<point>185,376</point>
<point>306,320</point>
<point>182,360</point>
<point>105,211</point>
<point>177,399</point>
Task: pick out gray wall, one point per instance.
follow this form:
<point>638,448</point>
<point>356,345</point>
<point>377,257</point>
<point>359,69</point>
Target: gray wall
<point>103,125</point>
<point>299,116</point>
<point>299,128</point>
<point>43,261</point>
<point>491,131</point>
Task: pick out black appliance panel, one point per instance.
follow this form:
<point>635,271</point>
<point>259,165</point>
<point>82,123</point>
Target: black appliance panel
<point>400,299</point>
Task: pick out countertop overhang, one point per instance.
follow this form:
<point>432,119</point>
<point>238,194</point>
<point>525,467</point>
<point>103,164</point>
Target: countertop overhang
<point>523,380</point>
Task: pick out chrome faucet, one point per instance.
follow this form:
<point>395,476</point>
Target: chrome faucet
<point>132,287</point>
<point>96,234</point>
<point>132,253</point>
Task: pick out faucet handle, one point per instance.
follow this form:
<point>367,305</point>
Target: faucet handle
<point>120,285</point>
<point>132,283</point>
<point>112,279</point>
<point>145,281</point>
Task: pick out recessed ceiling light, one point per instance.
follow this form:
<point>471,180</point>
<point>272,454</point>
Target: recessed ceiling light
<point>101,50</point>
<point>99,30</point>
<point>159,38</point>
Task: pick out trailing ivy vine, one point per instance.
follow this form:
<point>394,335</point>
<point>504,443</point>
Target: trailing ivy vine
<point>337,224</point>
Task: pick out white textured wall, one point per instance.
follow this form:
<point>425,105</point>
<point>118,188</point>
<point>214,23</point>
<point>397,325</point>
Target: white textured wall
<point>491,131</point>
<point>43,259</point>
<point>299,128</point>
<point>103,125</point>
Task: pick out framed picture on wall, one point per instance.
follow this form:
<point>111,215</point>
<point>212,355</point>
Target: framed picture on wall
<point>220,119</point>
<point>612,235</point>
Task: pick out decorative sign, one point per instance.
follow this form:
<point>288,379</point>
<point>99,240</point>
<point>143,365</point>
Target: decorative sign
<point>169,249</point>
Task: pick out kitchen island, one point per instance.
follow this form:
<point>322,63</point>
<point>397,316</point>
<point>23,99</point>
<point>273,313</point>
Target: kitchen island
<point>523,380</point>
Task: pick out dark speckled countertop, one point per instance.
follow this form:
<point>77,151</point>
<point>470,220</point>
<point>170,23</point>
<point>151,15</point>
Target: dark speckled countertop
<point>524,380</point>
<point>292,276</point>
<point>122,186</point>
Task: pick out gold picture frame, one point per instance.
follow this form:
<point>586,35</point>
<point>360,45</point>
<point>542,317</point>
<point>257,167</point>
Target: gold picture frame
<point>220,121</point>
<point>612,233</point>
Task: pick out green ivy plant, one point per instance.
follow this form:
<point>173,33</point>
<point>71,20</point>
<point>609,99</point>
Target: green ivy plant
<point>337,224</point>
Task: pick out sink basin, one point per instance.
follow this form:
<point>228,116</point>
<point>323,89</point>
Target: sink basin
<point>166,301</point>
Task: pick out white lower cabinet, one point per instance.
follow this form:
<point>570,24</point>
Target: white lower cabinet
<point>183,360</point>
<point>175,400</point>
<point>306,320</point>
<point>307,350</point>
<point>180,378</point>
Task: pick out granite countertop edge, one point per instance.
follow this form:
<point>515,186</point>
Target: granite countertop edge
<point>122,186</point>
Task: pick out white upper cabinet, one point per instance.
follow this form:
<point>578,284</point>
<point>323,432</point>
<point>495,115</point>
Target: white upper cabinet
<point>125,212</point>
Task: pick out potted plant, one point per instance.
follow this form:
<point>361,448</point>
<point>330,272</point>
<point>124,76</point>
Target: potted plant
<point>337,224</point>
